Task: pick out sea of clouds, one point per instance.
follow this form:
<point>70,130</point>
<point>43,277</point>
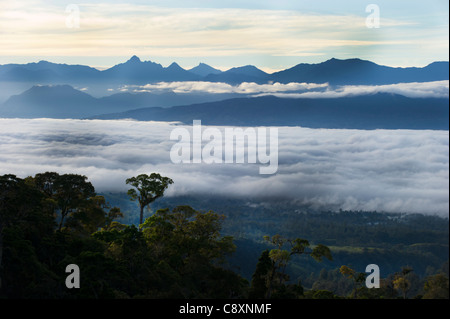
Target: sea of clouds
<point>383,170</point>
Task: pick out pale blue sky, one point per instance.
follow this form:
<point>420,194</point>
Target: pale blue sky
<point>272,35</point>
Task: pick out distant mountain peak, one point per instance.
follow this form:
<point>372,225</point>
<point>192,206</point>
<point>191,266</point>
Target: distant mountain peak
<point>247,69</point>
<point>204,69</point>
<point>175,66</point>
<point>134,59</point>
<point>244,67</point>
<point>352,60</point>
<point>52,88</point>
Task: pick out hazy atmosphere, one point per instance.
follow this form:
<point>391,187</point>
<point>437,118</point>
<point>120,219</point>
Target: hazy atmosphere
<point>224,150</point>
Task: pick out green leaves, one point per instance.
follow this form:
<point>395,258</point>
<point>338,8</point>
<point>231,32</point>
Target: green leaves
<point>276,276</point>
<point>189,233</point>
<point>299,246</point>
<point>148,188</point>
<point>357,277</point>
<point>321,251</point>
<point>18,200</point>
<point>68,192</point>
<point>279,256</point>
<point>347,271</point>
<point>436,287</point>
<point>133,194</point>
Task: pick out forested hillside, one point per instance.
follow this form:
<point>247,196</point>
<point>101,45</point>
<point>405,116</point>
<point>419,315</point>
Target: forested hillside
<point>205,247</point>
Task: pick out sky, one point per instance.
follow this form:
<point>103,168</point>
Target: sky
<point>271,35</point>
<point>383,170</point>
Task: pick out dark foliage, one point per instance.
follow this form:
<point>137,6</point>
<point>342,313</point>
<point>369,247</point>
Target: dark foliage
<point>50,221</point>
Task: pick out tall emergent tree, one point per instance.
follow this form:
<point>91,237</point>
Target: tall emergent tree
<point>149,188</point>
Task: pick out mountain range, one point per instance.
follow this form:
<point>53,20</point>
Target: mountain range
<point>63,101</point>
<point>376,111</point>
<point>370,111</point>
<point>53,95</point>
<point>135,71</point>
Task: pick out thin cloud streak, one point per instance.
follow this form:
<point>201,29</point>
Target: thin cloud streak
<point>220,87</point>
<point>437,89</point>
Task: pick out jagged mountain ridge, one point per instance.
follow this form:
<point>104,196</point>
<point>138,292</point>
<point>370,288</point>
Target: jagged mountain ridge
<point>135,71</point>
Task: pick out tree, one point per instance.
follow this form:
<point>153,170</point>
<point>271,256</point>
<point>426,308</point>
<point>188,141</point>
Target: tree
<point>93,215</point>
<point>19,202</point>
<point>65,193</point>
<point>258,288</point>
<point>45,182</point>
<point>357,278</point>
<point>436,287</point>
<point>280,258</point>
<point>149,188</point>
<point>189,233</point>
<point>401,281</point>
<point>72,191</point>
<point>189,249</point>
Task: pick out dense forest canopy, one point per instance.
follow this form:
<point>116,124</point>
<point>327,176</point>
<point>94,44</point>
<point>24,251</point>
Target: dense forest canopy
<point>208,248</point>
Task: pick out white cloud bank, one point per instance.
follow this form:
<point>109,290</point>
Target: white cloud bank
<point>438,89</point>
<point>383,170</point>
